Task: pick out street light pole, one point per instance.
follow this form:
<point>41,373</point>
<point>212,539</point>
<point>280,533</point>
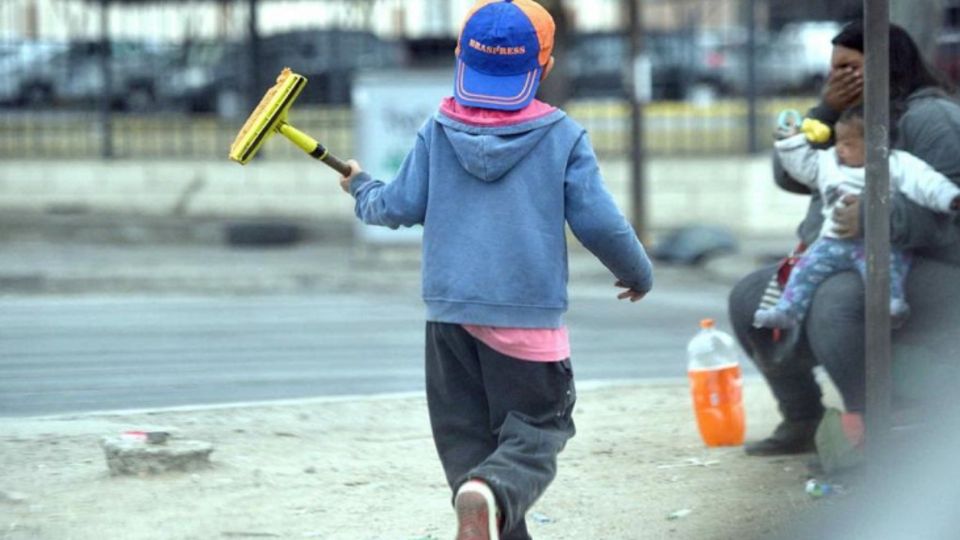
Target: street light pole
<point>877,233</point>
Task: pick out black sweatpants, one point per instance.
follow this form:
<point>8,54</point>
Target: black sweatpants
<point>497,418</point>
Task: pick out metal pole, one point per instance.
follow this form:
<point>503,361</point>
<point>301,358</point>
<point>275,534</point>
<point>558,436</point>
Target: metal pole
<point>106,94</point>
<point>640,71</point>
<point>877,234</point>
<point>752,146</point>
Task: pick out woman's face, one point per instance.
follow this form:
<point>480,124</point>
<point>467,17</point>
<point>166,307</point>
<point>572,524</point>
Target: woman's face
<point>846,59</point>
<point>844,87</point>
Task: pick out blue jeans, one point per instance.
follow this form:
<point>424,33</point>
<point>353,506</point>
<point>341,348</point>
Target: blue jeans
<point>829,256</point>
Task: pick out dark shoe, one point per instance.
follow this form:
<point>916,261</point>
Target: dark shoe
<point>790,437</point>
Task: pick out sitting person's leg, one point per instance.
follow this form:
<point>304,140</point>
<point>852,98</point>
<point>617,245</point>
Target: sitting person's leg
<point>823,259</point>
<point>835,332</point>
<point>925,349</point>
<point>786,366</point>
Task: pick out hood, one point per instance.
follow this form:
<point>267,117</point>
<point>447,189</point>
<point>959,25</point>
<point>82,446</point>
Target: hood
<point>927,92</point>
<point>490,152</point>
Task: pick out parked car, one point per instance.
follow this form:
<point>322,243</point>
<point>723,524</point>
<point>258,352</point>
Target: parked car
<point>794,60</point>
<point>72,74</point>
<point>18,62</point>
<point>689,64</point>
<point>216,76</point>
<point>683,63</point>
<point>207,76</point>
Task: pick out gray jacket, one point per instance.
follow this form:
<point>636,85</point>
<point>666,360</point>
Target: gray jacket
<point>930,130</point>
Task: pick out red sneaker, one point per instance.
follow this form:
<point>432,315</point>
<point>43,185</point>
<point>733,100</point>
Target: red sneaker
<point>852,424</point>
<point>476,512</point>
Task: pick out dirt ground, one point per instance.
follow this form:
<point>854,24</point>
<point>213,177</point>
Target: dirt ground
<point>365,469</point>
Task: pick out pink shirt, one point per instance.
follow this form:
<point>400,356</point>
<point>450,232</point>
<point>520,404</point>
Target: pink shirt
<point>535,344</point>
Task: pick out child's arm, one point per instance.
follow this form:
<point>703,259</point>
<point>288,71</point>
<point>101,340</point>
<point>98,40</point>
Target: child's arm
<point>600,226</point>
<point>800,160</point>
<point>922,184</point>
<point>402,202</point>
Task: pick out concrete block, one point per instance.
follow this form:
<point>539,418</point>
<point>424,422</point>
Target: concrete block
<point>126,456</point>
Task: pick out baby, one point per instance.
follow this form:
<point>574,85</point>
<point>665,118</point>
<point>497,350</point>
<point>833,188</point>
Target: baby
<point>837,172</point>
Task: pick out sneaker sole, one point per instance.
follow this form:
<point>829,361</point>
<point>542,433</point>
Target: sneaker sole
<point>476,516</point>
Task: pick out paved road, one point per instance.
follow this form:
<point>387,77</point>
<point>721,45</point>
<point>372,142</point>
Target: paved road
<point>69,353</point>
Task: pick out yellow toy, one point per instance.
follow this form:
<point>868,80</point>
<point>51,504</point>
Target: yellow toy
<point>816,131</point>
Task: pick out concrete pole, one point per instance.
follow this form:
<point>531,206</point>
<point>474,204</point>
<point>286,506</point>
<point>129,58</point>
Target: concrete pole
<point>877,234</point>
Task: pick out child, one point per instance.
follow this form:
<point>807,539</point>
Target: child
<point>493,178</point>
<point>837,172</point>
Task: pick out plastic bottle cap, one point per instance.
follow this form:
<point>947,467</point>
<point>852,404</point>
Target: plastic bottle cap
<point>707,323</point>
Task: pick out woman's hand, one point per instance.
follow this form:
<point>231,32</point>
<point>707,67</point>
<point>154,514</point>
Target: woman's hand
<point>846,216</point>
<point>632,295</point>
<point>844,88</point>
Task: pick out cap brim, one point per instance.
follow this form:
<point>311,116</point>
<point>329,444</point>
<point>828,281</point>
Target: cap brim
<point>507,93</point>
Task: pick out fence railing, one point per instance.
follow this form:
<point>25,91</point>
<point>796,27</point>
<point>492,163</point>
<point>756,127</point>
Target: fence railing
<point>162,79</point>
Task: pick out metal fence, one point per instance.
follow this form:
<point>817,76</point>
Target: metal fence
<point>161,79</point>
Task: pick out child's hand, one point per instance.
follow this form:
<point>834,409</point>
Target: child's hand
<point>354,171</point>
<point>634,296</point>
<point>846,215</point>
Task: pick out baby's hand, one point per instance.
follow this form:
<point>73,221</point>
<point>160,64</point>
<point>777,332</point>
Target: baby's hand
<point>354,171</point>
<point>634,296</point>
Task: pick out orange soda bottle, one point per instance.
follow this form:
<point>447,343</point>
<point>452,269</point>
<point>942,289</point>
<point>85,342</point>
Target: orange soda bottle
<point>713,365</point>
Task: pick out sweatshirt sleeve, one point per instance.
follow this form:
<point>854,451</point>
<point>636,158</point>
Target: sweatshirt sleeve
<point>402,202</point>
<point>920,183</point>
<point>928,131</point>
<point>828,116</point>
<point>599,225</point>
<point>798,159</point>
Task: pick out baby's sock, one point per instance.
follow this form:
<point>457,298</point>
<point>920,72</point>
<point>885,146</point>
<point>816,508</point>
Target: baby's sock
<point>899,312</point>
<point>773,318</point>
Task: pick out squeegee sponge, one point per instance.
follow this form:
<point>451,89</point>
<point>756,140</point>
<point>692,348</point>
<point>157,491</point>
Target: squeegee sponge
<point>270,112</point>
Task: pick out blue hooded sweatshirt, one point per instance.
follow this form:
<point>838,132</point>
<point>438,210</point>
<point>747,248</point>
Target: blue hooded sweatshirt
<point>494,202</point>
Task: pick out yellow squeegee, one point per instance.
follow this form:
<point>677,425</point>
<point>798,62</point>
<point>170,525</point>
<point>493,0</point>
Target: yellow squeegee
<point>270,117</point>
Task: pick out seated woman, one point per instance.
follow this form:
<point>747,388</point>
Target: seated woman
<point>832,334</point>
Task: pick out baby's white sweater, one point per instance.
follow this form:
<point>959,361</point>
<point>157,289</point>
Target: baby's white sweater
<point>821,170</point>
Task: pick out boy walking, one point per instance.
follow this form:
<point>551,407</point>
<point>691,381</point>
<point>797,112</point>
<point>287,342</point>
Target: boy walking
<point>494,177</point>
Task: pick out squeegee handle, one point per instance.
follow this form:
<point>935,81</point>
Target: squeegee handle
<point>309,145</point>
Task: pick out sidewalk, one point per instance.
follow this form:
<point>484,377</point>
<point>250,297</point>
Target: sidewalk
<point>365,469</point>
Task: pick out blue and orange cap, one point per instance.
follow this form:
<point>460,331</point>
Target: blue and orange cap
<point>503,48</point>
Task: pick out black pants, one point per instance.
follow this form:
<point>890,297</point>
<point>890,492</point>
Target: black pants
<point>833,336</point>
<point>497,418</point>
